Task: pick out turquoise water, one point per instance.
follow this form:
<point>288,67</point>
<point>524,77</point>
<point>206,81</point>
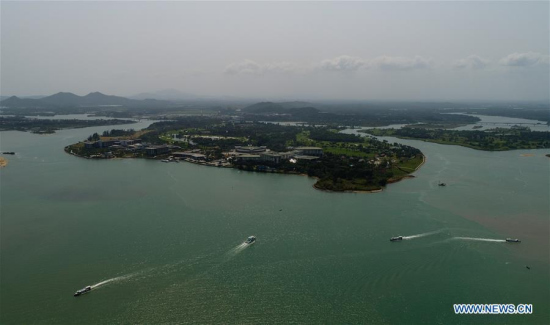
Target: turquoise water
<point>167,238</point>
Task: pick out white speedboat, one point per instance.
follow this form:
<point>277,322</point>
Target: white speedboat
<point>250,240</point>
<point>398,238</point>
<point>83,291</point>
<point>510,240</point>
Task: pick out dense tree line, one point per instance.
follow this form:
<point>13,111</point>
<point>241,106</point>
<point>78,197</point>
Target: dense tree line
<point>49,126</point>
<point>334,172</point>
<point>118,133</point>
<point>493,139</point>
<point>324,134</point>
<point>371,117</point>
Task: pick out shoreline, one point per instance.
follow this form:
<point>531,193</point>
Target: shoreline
<point>422,163</point>
<point>3,162</point>
<point>347,191</point>
<point>390,181</point>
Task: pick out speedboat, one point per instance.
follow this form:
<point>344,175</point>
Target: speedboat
<point>396,238</point>
<point>442,184</point>
<point>83,291</point>
<point>510,240</point>
<point>250,240</point>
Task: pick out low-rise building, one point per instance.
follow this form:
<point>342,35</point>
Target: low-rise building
<point>248,157</point>
<point>157,150</point>
<point>250,149</point>
<point>309,151</point>
<point>271,156</point>
<point>89,144</point>
<point>190,154</point>
<point>126,142</point>
<point>303,157</point>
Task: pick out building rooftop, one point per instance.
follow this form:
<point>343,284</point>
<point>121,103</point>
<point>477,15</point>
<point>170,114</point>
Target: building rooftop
<point>303,157</point>
<point>310,148</point>
<point>248,156</point>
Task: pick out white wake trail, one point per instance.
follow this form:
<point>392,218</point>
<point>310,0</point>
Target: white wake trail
<point>117,279</point>
<point>481,239</point>
<point>423,234</point>
<point>237,249</point>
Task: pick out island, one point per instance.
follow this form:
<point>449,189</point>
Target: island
<point>340,162</point>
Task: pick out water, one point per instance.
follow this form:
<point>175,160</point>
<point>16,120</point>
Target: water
<point>504,122</point>
<point>69,117</point>
<point>162,243</point>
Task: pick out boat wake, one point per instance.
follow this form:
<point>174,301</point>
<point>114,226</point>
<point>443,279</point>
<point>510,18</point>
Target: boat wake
<point>422,235</point>
<point>117,279</point>
<point>237,249</point>
<point>480,239</point>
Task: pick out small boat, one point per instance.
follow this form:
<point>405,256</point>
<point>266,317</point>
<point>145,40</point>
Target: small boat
<point>442,184</point>
<point>510,240</point>
<point>83,291</point>
<point>8,153</point>
<point>165,160</point>
<point>250,240</point>
<point>398,238</point>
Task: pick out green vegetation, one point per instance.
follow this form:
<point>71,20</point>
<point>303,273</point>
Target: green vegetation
<point>492,140</point>
<point>349,162</point>
<point>19,123</point>
<point>323,134</point>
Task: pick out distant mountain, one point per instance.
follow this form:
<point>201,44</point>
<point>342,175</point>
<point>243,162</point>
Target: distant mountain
<point>294,108</point>
<point>23,97</point>
<point>16,102</point>
<point>303,111</point>
<point>64,99</point>
<point>296,104</point>
<point>264,107</point>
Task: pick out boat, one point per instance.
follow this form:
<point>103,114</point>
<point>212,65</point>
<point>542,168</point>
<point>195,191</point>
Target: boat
<point>250,240</point>
<point>8,153</point>
<point>442,184</point>
<point>165,161</point>
<point>510,240</point>
<point>83,291</point>
<point>398,238</point>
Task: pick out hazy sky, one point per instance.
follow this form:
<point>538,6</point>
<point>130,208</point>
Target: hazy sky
<point>274,50</point>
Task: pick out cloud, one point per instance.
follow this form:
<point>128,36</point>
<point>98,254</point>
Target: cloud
<point>342,63</point>
<point>524,59</point>
<point>401,63</point>
<point>249,67</point>
<point>472,62</point>
<point>244,67</point>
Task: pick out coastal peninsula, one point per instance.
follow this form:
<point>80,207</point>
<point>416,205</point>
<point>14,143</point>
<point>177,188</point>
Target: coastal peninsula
<point>498,139</point>
<point>46,126</point>
<point>340,162</point>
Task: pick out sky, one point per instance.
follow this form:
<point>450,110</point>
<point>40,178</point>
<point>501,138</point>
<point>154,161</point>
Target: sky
<point>279,50</point>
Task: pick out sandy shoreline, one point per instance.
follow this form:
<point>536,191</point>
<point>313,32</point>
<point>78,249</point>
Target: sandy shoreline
<point>3,162</point>
<point>422,163</point>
